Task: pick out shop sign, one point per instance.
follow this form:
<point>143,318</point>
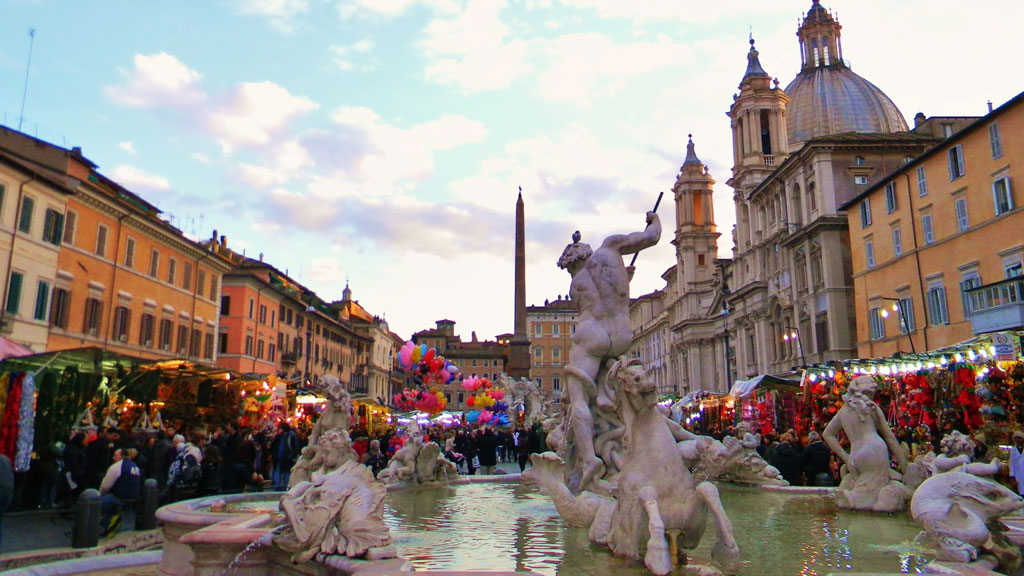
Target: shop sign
<point>1007,346</point>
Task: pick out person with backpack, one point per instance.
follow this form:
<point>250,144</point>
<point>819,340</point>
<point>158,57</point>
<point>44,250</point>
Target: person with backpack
<point>121,485</point>
<point>184,475</point>
<point>213,471</point>
<point>285,451</point>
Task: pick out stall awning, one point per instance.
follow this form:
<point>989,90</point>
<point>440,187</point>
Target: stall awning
<point>743,388</point>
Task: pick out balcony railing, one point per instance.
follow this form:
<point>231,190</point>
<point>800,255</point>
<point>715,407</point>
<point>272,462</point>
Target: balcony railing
<point>997,306</point>
<point>289,358</point>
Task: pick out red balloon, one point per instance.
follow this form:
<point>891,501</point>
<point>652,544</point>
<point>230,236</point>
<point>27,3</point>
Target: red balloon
<point>470,401</point>
<point>429,355</point>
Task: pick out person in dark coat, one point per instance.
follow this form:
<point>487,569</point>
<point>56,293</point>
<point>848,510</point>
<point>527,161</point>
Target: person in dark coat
<point>525,448</point>
<point>816,461</point>
<point>160,458</point>
<point>99,454</point>
<point>488,450</point>
<point>74,473</point>
<point>789,461</point>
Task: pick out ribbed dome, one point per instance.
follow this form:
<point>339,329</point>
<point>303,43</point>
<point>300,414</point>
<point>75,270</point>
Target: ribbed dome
<point>833,99</point>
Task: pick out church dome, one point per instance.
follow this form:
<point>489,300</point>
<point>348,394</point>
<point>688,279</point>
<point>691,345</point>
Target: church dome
<point>832,100</point>
<point>827,97</point>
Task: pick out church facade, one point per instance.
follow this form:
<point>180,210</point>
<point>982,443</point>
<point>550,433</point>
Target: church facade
<point>785,298</point>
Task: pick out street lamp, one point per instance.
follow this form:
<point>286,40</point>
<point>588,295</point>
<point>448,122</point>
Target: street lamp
<point>904,322</point>
<point>309,339</point>
<point>793,335</point>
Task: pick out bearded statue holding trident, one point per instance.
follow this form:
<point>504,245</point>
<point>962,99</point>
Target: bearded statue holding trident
<point>600,286</point>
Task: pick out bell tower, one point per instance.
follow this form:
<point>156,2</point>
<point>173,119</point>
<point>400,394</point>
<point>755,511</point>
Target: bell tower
<point>696,238</point>
<point>820,45</point>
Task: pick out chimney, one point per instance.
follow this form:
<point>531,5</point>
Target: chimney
<point>261,256</point>
<point>214,237</point>
<point>989,106</point>
<point>919,119</point>
<point>223,240</point>
<point>77,150</point>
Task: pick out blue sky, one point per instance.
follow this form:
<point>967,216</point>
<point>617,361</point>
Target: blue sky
<point>383,141</point>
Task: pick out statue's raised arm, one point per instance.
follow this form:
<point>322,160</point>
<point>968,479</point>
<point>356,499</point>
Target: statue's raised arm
<point>637,241</point>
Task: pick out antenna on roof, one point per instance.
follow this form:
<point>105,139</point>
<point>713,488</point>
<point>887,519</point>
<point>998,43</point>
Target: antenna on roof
<point>28,66</point>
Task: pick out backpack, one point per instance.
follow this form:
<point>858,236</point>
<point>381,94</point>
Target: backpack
<point>189,475</point>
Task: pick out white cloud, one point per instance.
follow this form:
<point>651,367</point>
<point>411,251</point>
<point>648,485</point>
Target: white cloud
<point>255,112</point>
<point>280,14</point>
<point>661,10</point>
<point>345,56</point>
<point>348,9</point>
<point>157,80</point>
<point>289,161</point>
<point>133,178</point>
<point>200,157</point>
<point>128,147</point>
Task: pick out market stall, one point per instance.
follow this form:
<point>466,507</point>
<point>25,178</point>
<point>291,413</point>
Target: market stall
<point>770,404</point>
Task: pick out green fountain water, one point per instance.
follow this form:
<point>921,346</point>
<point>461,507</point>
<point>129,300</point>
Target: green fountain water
<point>510,527</point>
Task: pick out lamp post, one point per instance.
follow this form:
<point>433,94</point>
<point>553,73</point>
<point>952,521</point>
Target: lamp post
<point>904,324</point>
<point>793,335</point>
<point>309,340</point>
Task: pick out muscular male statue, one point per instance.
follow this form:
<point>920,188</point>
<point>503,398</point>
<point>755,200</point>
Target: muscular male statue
<point>600,286</point>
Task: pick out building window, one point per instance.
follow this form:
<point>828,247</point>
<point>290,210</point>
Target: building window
<point>213,288</point>
<point>259,349</point>
<point>186,276</point>
<point>820,336</point>
<point>154,263</point>
<point>195,347</point>
<point>222,343</point>
<point>906,315</point>
<point>876,323</point>
<point>926,228</point>
<point>556,383</point>
<point>869,254</point>
<point>962,221</point>
<point>166,328</point>
<point>538,329</point>
<point>938,313</point>
<point>93,316</point>
<point>955,157</point>
<point>225,305</point>
<point>252,304</point>
<point>172,267</point>
<point>897,242</point>
<point>263,314</point>
<point>554,329</point>
<point>271,353</point>
<point>146,330</point>
<point>129,253</point>
<point>182,339</point>
<point>970,280</point>
<point>890,198</point>
<point>860,180</point>
<point>248,345</point>
<point>101,241</point>
<point>1013,267</point>
<point>208,346</point>
<point>42,300</point>
<point>538,352</point>
<point>1002,195</point>
<point>25,221</point>
<point>995,140</point>
<point>122,323</point>
<point>70,220</point>
<point>922,182</point>
<point>201,283</point>
<point>53,227</point>
<point>865,213</point>
<point>556,353</point>
<point>59,307</point>
<point>859,160</point>
<point>14,293</point>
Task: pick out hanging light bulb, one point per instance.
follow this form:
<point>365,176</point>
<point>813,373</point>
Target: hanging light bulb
<point>831,373</point>
<point>931,365</point>
<point>972,355</point>
<point>943,361</point>
<point>958,357</point>
<point>813,377</point>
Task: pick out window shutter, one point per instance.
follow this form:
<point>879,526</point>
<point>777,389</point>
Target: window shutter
<point>14,294</point>
<point>960,160</point>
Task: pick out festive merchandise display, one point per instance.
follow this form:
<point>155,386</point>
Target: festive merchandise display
<point>427,363</point>
<point>17,427</point>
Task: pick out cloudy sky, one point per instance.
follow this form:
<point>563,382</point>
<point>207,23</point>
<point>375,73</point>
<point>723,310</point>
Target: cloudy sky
<point>382,142</point>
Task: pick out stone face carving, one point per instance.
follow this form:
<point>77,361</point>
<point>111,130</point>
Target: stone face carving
<point>417,462</point>
<point>336,514</point>
<point>658,511</point>
<point>868,482</point>
<point>959,506</point>
<point>320,456</point>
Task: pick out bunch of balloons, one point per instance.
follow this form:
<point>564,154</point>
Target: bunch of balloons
<point>432,402</point>
<point>474,383</point>
<point>433,367</point>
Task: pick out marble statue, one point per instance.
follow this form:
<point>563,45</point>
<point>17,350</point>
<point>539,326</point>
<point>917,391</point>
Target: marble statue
<point>600,286</point>
<point>417,462</point>
<point>959,507</point>
<point>523,394</point>
<point>868,482</point>
<point>336,514</point>
<point>336,417</point>
<point>658,511</point>
<point>735,459</point>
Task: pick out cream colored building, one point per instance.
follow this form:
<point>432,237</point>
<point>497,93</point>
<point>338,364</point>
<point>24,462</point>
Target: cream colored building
<point>550,328</point>
<point>33,202</point>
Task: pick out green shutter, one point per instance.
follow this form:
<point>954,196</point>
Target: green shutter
<point>42,300</point>
<point>14,293</point>
<point>25,223</point>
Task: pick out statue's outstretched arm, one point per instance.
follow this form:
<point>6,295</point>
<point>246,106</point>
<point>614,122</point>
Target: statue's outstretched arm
<point>890,439</point>
<point>637,241</point>
<point>831,438</point>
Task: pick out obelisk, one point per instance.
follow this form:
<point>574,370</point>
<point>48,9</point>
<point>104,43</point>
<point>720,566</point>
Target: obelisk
<point>519,350</point>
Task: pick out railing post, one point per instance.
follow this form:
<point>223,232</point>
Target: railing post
<point>146,519</point>
<point>86,530</point>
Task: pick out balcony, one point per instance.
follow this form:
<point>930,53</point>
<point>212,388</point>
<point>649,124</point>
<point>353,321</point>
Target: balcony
<point>289,358</point>
<point>998,306</point>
